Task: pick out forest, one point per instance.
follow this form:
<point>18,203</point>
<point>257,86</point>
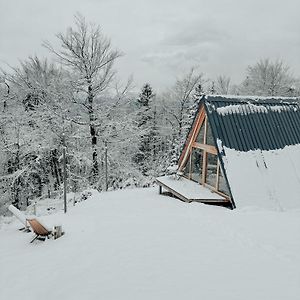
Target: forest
<point>115,135</point>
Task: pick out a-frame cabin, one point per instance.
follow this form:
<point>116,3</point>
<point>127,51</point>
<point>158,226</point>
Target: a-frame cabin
<point>235,150</point>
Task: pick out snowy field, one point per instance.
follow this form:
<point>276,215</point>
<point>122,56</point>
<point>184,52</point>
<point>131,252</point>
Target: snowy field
<point>135,244</point>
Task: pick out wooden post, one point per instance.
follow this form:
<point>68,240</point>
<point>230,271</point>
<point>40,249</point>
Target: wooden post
<point>106,167</point>
<point>65,173</point>
<point>57,232</point>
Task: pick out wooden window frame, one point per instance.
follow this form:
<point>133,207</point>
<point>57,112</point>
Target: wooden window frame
<point>205,150</point>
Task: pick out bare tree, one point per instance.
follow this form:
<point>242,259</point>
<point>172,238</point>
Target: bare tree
<point>180,105</point>
<point>89,55</point>
<point>37,106</point>
<point>182,93</point>
<point>267,78</point>
<point>222,85</point>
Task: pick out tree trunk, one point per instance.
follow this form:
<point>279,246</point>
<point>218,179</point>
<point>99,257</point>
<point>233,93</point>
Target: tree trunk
<point>95,167</point>
<point>55,168</point>
<point>92,119</point>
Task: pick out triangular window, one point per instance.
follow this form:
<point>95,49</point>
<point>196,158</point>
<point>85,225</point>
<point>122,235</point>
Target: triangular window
<point>201,163</point>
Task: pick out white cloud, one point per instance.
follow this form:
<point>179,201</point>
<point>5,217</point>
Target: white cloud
<point>160,38</point>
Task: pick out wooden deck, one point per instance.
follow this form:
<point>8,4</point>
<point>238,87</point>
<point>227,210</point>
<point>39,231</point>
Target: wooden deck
<point>189,191</point>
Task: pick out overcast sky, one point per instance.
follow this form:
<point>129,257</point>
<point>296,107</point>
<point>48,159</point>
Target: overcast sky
<point>161,39</point>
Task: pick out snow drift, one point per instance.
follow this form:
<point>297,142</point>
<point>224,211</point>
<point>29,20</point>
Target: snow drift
<point>135,244</point>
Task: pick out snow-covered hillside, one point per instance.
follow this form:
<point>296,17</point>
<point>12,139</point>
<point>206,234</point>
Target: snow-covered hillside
<point>135,244</point>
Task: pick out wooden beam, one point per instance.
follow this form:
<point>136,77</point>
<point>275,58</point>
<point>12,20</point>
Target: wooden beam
<point>192,136</point>
<point>210,201</point>
<point>207,148</point>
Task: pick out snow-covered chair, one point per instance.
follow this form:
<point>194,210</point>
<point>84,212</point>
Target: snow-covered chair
<point>20,216</point>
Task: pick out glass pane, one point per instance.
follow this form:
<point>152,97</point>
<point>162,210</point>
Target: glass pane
<point>186,169</point>
<point>222,183</point>
<point>197,159</point>
<point>211,174</point>
<point>200,137</point>
<point>209,136</point>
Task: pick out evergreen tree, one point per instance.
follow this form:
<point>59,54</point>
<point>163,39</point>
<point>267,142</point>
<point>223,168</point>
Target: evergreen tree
<point>199,92</point>
<point>146,123</point>
<point>146,95</point>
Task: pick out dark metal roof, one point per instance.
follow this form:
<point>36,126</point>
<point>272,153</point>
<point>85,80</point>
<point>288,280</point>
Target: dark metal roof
<point>249,123</point>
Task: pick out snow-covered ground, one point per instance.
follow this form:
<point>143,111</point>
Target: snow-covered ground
<point>135,244</point>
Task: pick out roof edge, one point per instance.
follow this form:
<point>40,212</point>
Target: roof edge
<point>253,99</point>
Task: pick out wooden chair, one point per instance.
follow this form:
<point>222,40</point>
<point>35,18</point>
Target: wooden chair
<point>40,231</point>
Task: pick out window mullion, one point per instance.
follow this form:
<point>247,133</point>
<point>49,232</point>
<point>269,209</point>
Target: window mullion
<point>204,166</point>
<point>190,163</point>
<point>205,130</point>
<point>218,173</point>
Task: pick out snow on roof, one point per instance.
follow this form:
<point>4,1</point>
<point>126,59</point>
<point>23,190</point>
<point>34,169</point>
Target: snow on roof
<point>249,108</point>
<point>269,179</point>
<point>237,109</point>
<point>253,98</point>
